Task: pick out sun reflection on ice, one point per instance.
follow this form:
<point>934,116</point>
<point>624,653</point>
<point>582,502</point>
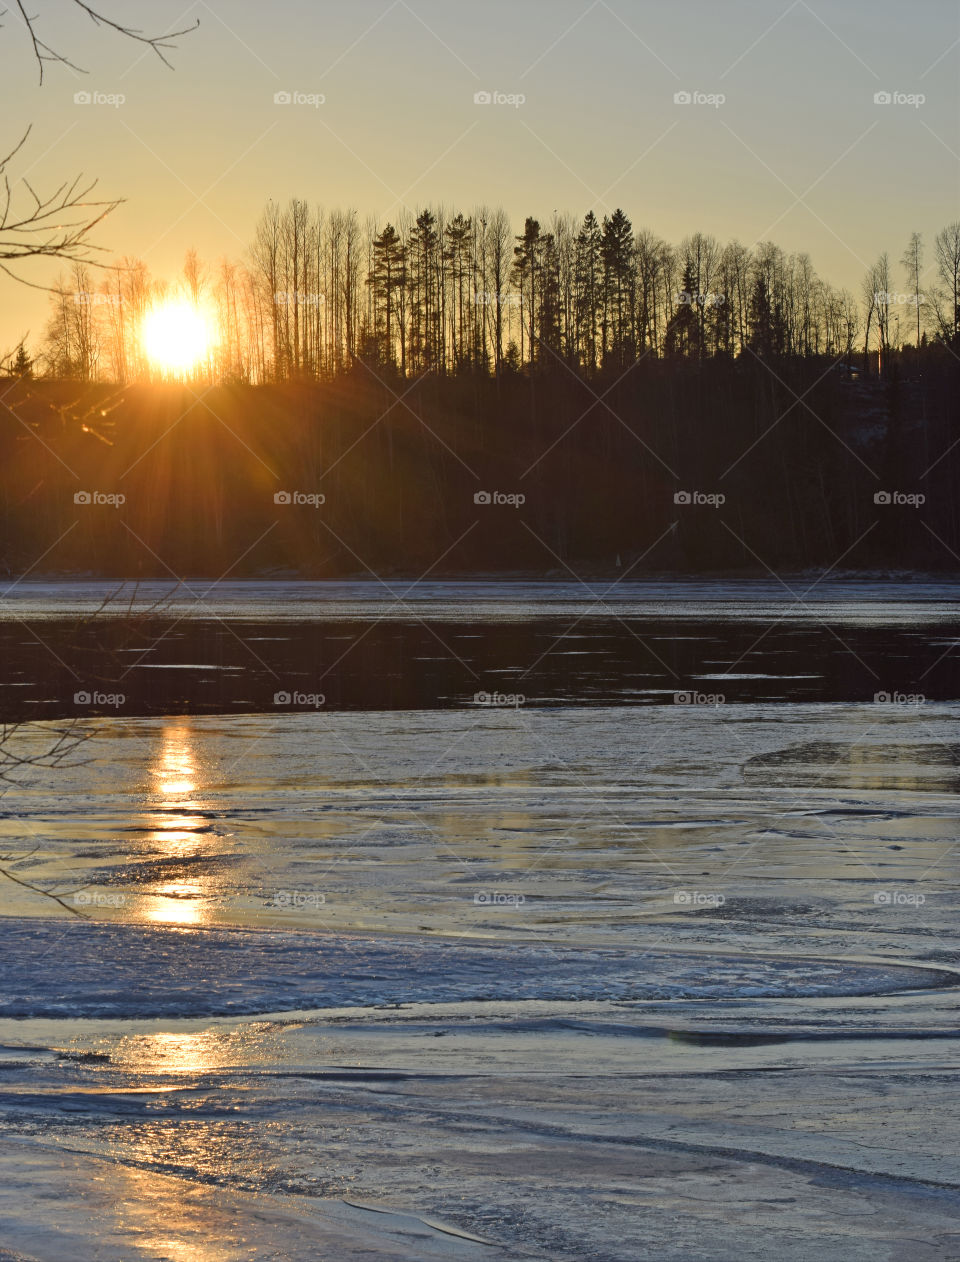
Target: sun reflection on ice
<point>195,1051</point>
<point>174,1053</point>
<point>179,903</point>
<point>176,780</point>
<point>175,771</point>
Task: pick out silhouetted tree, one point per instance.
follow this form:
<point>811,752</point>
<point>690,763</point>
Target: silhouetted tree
<point>912,262</point>
<point>588,291</point>
<point>458,252</point>
<point>617,252</point>
<point>388,281</point>
<point>947,249</point>
<point>683,336</point>
<point>526,275</point>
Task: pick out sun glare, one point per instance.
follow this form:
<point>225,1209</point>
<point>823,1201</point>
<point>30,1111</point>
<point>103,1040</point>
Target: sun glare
<point>177,337</point>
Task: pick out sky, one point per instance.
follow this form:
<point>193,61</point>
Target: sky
<point>748,119</point>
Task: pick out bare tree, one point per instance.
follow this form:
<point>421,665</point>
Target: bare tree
<point>499,263</point>
<point>876,298</point>
<point>947,248</point>
<point>912,262</point>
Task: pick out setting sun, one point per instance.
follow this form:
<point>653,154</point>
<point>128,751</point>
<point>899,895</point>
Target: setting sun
<point>177,337</point>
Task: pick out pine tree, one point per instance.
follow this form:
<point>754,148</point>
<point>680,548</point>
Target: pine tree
<point>683,328</point>
<point>422,252</point>
<point>458,238</point>
<point>549,315</point>
<point>619,289</point>
<point>22,365</point>
<point>386,280</point>
<point>526,268</point>
<point>588,283</point>
<point>761,319</point>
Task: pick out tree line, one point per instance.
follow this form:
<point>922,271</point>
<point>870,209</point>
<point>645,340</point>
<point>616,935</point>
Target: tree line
<point>722,466</point>
<point>320,291</point>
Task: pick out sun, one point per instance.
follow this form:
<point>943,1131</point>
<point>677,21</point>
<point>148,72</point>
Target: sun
<point>177,337</point>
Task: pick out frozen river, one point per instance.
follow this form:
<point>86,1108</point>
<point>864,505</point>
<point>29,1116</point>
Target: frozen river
<point>525,980</point>
<point>76,649</point>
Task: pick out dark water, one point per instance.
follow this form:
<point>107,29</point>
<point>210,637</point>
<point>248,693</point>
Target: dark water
<point>220,665</point>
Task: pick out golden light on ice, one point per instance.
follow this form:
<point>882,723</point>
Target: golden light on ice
<point>175,770</point>
<point>177,336</point>
<point>175,831</point>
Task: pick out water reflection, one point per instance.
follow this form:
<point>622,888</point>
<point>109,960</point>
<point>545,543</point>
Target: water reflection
<point>180,830</point>
<point>176,1053</point>
<point>174,1219</point>
<point>197,1050</point>
<point>178,903</point>
<point>175,770</point>
<point>179,839</point>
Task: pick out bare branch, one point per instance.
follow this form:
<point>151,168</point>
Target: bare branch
<point>58,744</point>
<point>57,225</point>
<point>43,52</point>
<point>38,889</point>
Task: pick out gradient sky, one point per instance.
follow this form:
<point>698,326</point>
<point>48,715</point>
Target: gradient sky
<point>798,153</point>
